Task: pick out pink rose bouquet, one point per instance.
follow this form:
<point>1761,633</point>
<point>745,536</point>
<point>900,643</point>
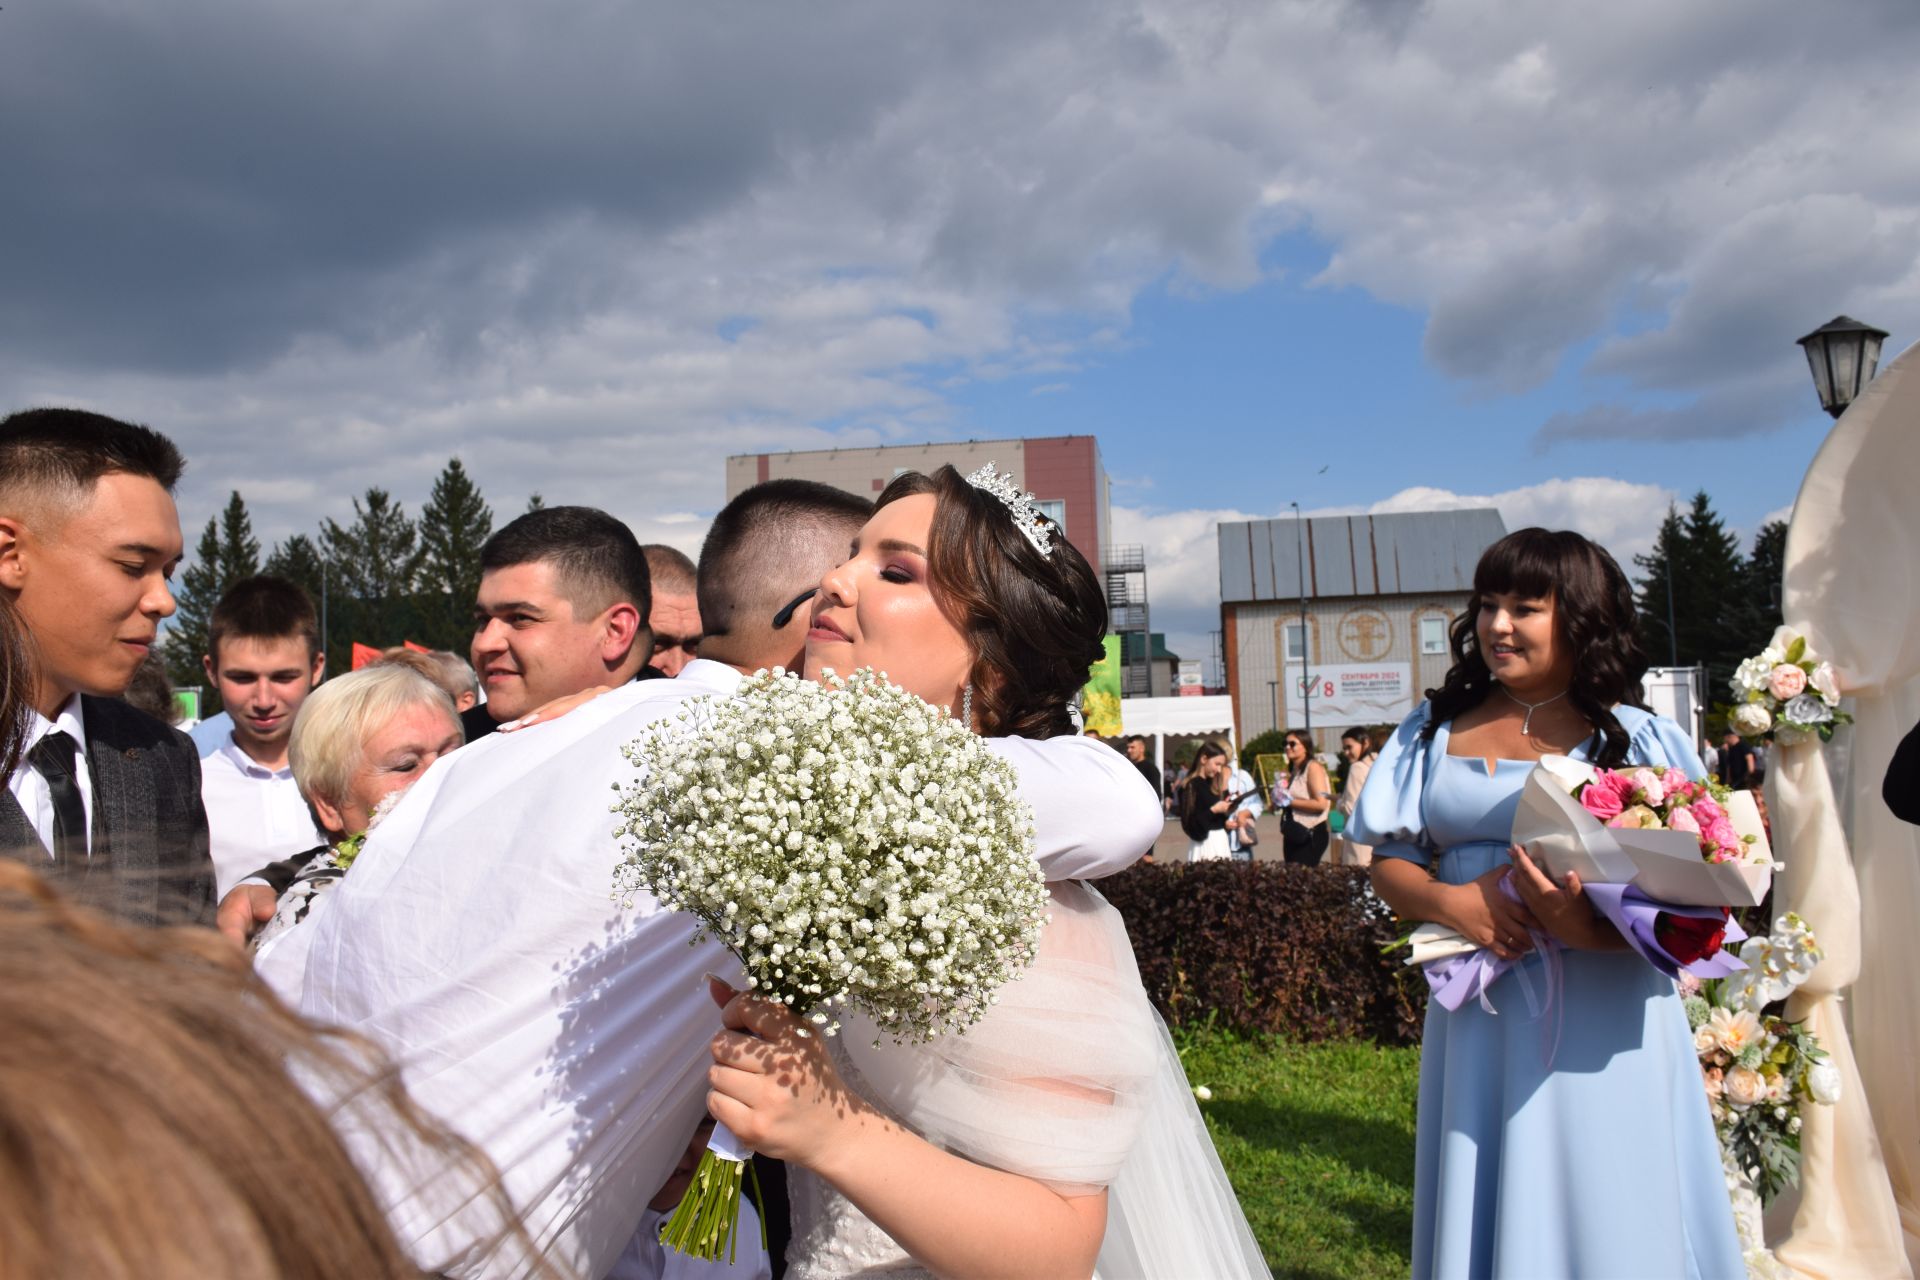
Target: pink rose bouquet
<point>1653,798</point>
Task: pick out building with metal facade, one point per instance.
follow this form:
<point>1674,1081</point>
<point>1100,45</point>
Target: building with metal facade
<point>1379,594</point>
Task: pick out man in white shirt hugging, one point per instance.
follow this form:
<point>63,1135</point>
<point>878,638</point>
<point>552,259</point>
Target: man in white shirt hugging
<point>263,655</point>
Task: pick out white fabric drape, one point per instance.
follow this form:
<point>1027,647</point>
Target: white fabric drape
<point>1853,588</point>
<point>1072,1079</point>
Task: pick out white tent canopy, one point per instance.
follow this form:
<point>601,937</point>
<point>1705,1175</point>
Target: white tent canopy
<point>1161,718</point>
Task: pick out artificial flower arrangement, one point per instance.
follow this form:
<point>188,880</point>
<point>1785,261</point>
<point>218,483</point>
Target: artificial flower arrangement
<point>1760,1070</point>
<point>1786,694</point>
<point>1662,856</point>
<point>853,846</point>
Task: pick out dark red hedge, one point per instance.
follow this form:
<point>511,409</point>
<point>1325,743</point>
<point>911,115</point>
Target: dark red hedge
<point>1268,948</point>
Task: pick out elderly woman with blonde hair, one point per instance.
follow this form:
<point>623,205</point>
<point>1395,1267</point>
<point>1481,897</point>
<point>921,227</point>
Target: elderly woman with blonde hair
<point>359,741</point>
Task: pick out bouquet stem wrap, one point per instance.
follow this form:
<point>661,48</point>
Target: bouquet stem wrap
<point>702,1225</point>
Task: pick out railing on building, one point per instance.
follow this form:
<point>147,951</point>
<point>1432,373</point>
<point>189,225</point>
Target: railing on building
<point>1125,569</point>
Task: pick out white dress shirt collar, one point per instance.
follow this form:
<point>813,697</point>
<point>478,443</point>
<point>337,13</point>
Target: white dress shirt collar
<point>30,789</point>
<point>246,764</point>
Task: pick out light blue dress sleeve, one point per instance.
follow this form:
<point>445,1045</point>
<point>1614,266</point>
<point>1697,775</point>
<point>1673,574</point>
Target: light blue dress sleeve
<point>1658,740</point>
<point>1388,815</point>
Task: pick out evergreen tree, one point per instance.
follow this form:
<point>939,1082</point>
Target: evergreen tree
<point>1656,601</point>
<point>1766,572</point>
<point>1709,606</point>
<point>373,570</point>
<point>535,502</point>
<point>298,561</point>
<point>227,552</point>
<point>453,525</point>
<point>239,549</point>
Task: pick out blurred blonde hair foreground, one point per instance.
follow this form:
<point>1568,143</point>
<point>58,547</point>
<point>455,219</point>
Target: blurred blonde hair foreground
<point>150,1123</point>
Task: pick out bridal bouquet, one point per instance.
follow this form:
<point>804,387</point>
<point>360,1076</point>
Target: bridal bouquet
<point>1786,694</point>
<point>852,846</point>
<point>1758,1067</point>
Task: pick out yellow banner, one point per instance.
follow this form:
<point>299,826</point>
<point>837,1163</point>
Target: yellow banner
<point>1100,700</point>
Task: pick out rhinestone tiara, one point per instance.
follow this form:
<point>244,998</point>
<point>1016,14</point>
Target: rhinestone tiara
<point>1026,516</point>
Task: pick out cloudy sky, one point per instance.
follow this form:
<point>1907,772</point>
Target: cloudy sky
<point>1551,256</point>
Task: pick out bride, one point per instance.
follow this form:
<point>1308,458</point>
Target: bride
<point>1057,1136</point>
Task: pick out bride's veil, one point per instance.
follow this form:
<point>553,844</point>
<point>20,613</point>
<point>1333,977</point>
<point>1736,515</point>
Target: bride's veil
<point>1072,1079</point>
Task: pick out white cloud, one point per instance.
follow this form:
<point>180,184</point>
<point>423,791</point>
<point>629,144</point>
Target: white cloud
<point>595,256</point>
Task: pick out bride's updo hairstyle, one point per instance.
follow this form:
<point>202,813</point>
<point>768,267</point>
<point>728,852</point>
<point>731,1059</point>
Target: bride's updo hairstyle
<point>1594,619</point>
<point>1034,622</point>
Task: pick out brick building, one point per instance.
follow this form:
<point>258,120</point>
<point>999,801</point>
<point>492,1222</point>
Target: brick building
<point>1063,473</point>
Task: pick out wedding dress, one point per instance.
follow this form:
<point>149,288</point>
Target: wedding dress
<point>1071,1079</point>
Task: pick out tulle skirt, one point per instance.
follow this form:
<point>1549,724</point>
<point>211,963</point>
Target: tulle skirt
<point>1213,849</point>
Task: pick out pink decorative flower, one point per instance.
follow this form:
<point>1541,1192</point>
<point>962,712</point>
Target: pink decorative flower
<point>1722,834</point>
<point>1707,810</point>
<point>1605,796</point>
<point>1680,818</point>
<point>1646,783</point>
<point>1786,681</point>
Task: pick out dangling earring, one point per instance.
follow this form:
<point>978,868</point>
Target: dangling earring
<point>966,705</point>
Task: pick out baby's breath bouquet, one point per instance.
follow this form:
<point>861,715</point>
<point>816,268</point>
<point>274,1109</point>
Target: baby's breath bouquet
<point>853,846</point>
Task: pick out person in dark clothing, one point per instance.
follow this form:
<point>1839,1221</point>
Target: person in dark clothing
<point>1901,788</point>
<point>1739,763</point>
<point>1137,752</point>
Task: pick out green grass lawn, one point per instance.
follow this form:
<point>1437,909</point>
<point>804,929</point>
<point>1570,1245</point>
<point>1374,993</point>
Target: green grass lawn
<point>1318,1140</point>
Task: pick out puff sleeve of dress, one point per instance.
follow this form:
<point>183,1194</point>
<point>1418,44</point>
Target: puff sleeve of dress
<point>1389,813</point>
<point>1658,740</point>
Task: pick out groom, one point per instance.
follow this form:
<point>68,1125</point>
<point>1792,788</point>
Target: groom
<point>563,1033</point>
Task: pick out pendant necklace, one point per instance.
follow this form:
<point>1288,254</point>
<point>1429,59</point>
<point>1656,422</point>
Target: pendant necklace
<point>1526,724</point>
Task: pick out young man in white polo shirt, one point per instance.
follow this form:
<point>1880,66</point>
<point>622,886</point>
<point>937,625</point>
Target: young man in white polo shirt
<point>264,657</point>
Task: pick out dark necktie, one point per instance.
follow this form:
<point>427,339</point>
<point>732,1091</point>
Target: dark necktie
<point>52,759</point>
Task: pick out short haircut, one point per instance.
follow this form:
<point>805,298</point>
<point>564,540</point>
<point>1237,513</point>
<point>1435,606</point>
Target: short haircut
<point>1140,738</point>
<point>757,529</point>
<point>457,675</point>
<point>50,459</point>
<point>669,569</point>
<point>330,733</point>
<point>263,607</point>
<point>447,670</point>
<point>596,560</point>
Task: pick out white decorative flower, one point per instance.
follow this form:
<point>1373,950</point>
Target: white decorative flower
<point>802,825</point>
<point>1751,719</point>
<point>1823,1083</point>
<point>1203,1093</point>
<point>1825,683</point>
<point>1783,638</point>
<point>1751,676</point>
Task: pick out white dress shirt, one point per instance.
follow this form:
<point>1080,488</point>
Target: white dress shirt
<point>255,815</point>
<point>31,790</point>
<point>478,940</point>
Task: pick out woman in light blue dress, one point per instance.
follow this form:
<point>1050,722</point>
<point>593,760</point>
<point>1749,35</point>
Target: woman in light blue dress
<point>1566,1134</point>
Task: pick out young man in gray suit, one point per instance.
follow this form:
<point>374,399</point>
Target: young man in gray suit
<point>107,799</point>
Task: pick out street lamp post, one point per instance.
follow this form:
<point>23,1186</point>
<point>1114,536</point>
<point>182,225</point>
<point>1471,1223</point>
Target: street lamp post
<point>1273,691</point>
<point>1843,355</point>
<point>1300,567</point>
